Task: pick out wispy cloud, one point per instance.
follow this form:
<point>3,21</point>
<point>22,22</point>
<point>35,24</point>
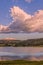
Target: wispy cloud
<point>29,1</point>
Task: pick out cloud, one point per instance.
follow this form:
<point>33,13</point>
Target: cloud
<point>17,12</point>
<point>2,27</point>
<point>29,1</point>
<point>19,17</point>
<point>36,23</point>
<point>23,22</point>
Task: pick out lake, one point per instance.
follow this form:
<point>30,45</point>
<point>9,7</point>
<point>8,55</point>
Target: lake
<point>24,53</point>
<point>21,51</point>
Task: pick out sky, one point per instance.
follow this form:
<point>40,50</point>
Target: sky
<point>21,16</point>
<point>29,6</point>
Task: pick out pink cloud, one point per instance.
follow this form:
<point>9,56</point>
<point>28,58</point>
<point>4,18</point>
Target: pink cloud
<point>24,22</point>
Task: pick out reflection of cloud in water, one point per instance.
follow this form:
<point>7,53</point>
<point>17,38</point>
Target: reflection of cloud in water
<point>37,54</point>
<point>20,54</point>
<point>21,51</point>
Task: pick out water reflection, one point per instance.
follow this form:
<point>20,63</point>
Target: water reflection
<point>21,51</point>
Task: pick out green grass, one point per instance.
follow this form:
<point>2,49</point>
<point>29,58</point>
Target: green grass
<point>21,62</point>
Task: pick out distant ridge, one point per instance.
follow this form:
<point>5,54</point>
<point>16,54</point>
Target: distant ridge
<point>8,38</point>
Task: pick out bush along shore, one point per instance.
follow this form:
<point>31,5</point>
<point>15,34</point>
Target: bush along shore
<point>22,43</point>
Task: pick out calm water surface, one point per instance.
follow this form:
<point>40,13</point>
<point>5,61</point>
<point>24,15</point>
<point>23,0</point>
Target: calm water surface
<point>21,51</point>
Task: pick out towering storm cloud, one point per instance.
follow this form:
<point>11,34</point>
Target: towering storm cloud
<point>24,22</point>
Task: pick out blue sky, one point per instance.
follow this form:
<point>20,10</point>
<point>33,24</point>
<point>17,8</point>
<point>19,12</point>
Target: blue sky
<point>29,7</point>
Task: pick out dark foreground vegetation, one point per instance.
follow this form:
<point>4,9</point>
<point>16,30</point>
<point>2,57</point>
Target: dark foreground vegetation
<point>23,43</point>
<point>21,62</point>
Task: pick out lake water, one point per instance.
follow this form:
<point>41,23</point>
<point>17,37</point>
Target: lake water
<point>21,51</point>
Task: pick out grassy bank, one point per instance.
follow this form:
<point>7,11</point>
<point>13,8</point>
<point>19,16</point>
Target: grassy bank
<point>21,62</point>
